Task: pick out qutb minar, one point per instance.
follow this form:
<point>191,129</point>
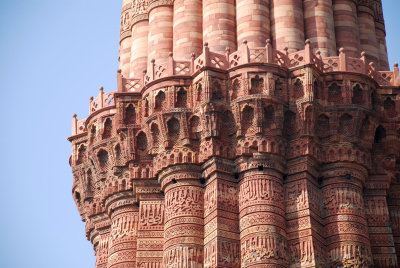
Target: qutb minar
<point>247,133</point>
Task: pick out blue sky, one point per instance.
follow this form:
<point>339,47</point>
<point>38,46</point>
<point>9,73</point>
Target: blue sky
<point>53,56</point>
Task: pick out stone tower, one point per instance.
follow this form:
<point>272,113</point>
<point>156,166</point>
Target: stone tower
<point>247,133</point>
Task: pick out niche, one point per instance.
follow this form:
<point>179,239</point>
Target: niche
<point>130,115</point>
<point>195,128</point>
<point>141,141</point>
<point>217,91</point>
<point>102,156</point>
<point>357,95</point>
<point>247,119</point>
<point>298,89</point>
<point>173,130</point>
<point>269,116</point>
<point>81,154</point>
<point>390,107</point>
<point>107,129</point>
<point>334,93</point>
<point>257,85</point>
<point>380,134</point>
<point>160,101</point>
<point>181,98</point>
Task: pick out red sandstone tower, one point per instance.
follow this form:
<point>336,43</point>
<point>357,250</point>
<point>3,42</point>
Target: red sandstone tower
<point>247,133</point>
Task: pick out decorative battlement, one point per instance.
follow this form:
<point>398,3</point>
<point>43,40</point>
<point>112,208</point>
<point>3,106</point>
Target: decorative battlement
<point>262,55</point>
<point>231,61</point>
<point>103,100</point>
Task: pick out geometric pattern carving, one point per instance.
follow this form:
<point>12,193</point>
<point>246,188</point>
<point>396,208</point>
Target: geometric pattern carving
<point>258,154</point>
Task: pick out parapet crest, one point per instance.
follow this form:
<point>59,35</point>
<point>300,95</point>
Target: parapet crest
<point>229,61</point>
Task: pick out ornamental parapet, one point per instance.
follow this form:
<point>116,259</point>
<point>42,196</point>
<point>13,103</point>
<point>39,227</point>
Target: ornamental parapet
<point>243,57</point>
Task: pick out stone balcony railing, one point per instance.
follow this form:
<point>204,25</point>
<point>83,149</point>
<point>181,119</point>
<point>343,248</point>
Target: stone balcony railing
<point>244,55</point>
<point>102,100</point>
<point>266,55</point>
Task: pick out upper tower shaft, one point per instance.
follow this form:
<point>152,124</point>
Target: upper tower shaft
<point>152,29</point>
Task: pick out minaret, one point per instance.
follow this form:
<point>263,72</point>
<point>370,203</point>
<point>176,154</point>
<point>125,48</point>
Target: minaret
<point>247,133</point>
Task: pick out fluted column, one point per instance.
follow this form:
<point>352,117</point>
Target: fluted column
<point>124,214</point>
<point>303,213</point>
<point>140,33</point>
<point>101,250</point>
<point>346,27</point>
<point>381,36</point>
<point>150,232</point>
<point>221,219</point>
<point>394,212</point>
<point>379,226</point>
<point>219,25</point>
<point>161,15</point>
<point>262,217</point>
<point>381,39</point>
<point>184,227</point>
<point>125,41</point>
<point>366,24</point>
<point>319,26</point>
<point>287,24</point>
<point>253,22</point>
<point>188,33</point>
<point>346,230</point>
<point>103,228</point>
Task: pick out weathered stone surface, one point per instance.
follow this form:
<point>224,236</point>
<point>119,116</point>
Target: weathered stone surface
<point>255,135</point>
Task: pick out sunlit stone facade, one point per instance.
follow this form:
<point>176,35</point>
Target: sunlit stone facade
<point>247,133</point>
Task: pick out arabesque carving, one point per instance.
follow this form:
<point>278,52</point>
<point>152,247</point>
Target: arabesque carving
<point>242,135</point>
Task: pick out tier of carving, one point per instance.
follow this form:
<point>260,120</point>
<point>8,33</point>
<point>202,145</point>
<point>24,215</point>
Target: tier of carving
<point>263,248</point>
<point>186,201</point>
<point>260,190</point>
<point>183,257</point>
<point>350,255</point>
<point>151,215</point>
<point>339,199</point>
<point>256,158</point>
<point>242,86</point>
<point>222,253</point>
